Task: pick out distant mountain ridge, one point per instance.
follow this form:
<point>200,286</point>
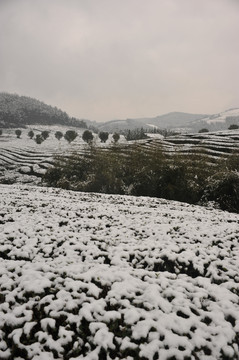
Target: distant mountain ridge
<point>177,121</point>
<point>171,121</point>
<point>220,121</point>
<point>19,111</point>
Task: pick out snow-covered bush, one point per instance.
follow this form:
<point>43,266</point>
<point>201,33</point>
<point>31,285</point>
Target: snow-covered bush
<point>95,276</point>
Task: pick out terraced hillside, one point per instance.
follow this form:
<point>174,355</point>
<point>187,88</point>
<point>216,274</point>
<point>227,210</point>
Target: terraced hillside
<point>215,145</point>
<point>22,160</point>
<point>90,276</point>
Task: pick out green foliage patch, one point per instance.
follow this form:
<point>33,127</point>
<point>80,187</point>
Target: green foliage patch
<point>152,172</point>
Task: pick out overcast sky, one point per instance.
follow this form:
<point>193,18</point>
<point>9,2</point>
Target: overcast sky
<point>116,59</point>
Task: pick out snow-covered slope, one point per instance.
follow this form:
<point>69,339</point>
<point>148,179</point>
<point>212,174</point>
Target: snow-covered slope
<point>221,117</point>
<point>171,120</point>
<point>177,121</point>
<point>24,161</point>
<point>220,121</point>
<point>89,276</point>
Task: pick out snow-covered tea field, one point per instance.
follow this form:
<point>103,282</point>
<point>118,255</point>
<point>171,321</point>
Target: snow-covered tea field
<point>90,276</point>
<point>24,161</point>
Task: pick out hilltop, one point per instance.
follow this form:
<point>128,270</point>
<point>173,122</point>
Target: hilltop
<point>179,121</point>
<point>170,121</point>
<point>19,111</point>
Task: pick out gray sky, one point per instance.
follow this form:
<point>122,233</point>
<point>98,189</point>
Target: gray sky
<point>112,59</point>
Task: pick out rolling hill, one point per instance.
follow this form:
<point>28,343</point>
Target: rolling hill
<point>220,121</point>
<point>24,161</point>
<point>177,121</point>
<point>19,111</point>
<point>170,121</point>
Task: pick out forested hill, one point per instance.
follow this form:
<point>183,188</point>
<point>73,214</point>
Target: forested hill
<point>19,111</point>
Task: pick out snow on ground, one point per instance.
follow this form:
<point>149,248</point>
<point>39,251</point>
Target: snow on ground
<point>90,276</point>
<point>221,117</point>
<point>24,161</point>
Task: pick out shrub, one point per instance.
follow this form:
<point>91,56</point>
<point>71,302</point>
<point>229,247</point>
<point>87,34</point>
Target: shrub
<point>69,172</point>
<point>108,172</point>
<point>18,133</point>
<point>233,127</point>
<point>31,134</point>
<point>87,136</point>
<point>103,136</point>
<point>203,130</point>
<point>70,135</point>
<point>45,134</point>
<point>136,171</point>
<point>58,135</point>
<point>232,162</point>
<point>223,189</point>
<point>116,137</point>
<point>39,139</point>
<point>133,172</point>
<point>136,134</point>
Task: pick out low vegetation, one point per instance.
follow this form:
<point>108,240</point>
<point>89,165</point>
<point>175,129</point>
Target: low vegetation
<point>233,127</point>
<point>186,178</point>
<point>203,130</point>
<point>141,133</point>
<point>95,276</point>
